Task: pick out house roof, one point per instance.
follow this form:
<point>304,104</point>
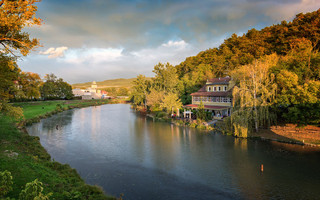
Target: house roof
<point>219,81</point>
<point>202,92</point>
<point>207,107</point>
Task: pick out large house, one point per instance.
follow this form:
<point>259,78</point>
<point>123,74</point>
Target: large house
<point>90,93</point>
<point>216,96</point>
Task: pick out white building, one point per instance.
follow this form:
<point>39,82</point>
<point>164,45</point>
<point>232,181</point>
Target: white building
<point>88,93</point>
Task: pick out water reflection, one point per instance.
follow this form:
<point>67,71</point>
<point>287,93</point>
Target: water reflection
<point>115,148</point>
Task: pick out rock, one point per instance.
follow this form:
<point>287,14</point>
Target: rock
<point>11,154</point>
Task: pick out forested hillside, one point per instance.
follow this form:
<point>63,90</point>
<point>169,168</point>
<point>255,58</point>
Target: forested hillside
<point>285,57</point>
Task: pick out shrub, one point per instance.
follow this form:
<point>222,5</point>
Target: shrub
<point>5,183</point>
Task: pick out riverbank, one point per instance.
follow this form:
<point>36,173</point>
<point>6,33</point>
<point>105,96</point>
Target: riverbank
<point>199,124</point>
<point>27,160</point>
<point>290,133</point>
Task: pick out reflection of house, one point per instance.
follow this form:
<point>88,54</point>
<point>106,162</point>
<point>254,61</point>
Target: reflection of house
<point>216,96</point>
<point>89,93</point>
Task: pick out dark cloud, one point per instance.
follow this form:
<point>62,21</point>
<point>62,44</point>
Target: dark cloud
<point>144,25</point>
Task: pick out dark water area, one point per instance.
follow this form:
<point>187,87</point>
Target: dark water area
<point>113,147</point>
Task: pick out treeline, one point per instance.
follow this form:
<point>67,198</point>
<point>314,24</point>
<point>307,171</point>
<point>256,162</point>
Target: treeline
<point>290,53</point>
<point>28,86</point>
<point>117,91</point>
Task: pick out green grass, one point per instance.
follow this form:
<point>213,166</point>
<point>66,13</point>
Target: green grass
<point>40,108</point>
<point>33,162</point>
<point>121,82</point>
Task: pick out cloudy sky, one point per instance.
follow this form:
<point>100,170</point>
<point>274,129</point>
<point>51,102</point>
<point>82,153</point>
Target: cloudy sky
<point>86,40</point>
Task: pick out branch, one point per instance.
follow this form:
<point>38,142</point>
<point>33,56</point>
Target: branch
<point>13,40</point>
<point>8,49</point>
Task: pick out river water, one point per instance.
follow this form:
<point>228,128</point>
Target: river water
<point>113,147</point>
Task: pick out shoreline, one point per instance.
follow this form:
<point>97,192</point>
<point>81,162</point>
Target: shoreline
<point>263,134</point>
<point>60,179</point>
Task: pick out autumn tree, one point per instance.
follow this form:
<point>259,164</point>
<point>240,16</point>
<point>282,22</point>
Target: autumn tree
<point>15,15</point>
<point>253,96</point>
<point>154,99</point>
<point>171,102</point>
<point>28,85</point>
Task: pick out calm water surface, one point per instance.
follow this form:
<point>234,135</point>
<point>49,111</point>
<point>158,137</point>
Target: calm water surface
<point>115,148</point>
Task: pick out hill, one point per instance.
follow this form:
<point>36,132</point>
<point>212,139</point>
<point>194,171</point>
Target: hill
<point>120,82</point>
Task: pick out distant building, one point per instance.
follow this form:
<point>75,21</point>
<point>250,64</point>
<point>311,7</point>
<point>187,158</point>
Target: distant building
<point>89,93</point>
<point>216,96</point>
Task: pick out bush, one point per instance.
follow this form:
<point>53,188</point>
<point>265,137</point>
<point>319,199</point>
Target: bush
<point>33,190</point>
<point>5,183</point>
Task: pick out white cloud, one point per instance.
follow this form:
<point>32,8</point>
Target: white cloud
<point>92,55</point>
<point>178,44</point>
<point>54,52</point>
<point>88,64</point>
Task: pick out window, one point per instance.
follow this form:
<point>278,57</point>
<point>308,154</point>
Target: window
<point>225,88</point>
<point>214,89</point>
<point>219,88</point>
<point>209,89</point>
<point>225,99</point>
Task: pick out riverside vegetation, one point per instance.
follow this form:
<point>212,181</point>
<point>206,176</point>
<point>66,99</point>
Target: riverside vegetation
<point>24,161</point>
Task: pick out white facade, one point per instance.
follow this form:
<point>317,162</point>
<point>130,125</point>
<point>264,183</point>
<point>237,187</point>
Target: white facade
<point>89,93</point>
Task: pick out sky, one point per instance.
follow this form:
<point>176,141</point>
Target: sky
<point>96,40</point>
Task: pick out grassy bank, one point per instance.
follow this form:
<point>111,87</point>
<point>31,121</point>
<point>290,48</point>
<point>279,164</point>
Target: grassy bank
<point>27,160</point>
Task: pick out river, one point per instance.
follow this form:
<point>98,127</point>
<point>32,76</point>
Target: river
<point>115,148</point>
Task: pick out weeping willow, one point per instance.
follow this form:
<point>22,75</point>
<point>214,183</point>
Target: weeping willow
<point>253,96</point>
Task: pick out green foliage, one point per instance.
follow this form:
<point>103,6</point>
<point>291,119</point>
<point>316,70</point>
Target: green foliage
<point>8,109</point>
<point>9,72</point>
<point>139,90</point>
<point>5,182</point>
<point>303,114</point>
<point>166,78</point>
<point>154,99</point>
<point>55,88</point>
<point>201,113</point>
<point>115,91</point>
<point>33,191</point>
<point>171,102</point>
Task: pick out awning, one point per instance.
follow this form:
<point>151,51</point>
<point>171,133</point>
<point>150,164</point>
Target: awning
<point>207,107</point>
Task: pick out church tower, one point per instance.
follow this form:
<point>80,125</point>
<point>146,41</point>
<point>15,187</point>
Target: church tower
<point>94,85</point>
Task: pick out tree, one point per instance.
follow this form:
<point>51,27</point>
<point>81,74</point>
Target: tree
<point>29,84</point>
<point>201,113</point>
<point>254,95</point>
<point>55,88</point>
<point>154,99</point>
<point>15,15</point>
<point>139,90</point>
<point>166,78</point>
<point>9,72</point>
<point>171,102</point>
